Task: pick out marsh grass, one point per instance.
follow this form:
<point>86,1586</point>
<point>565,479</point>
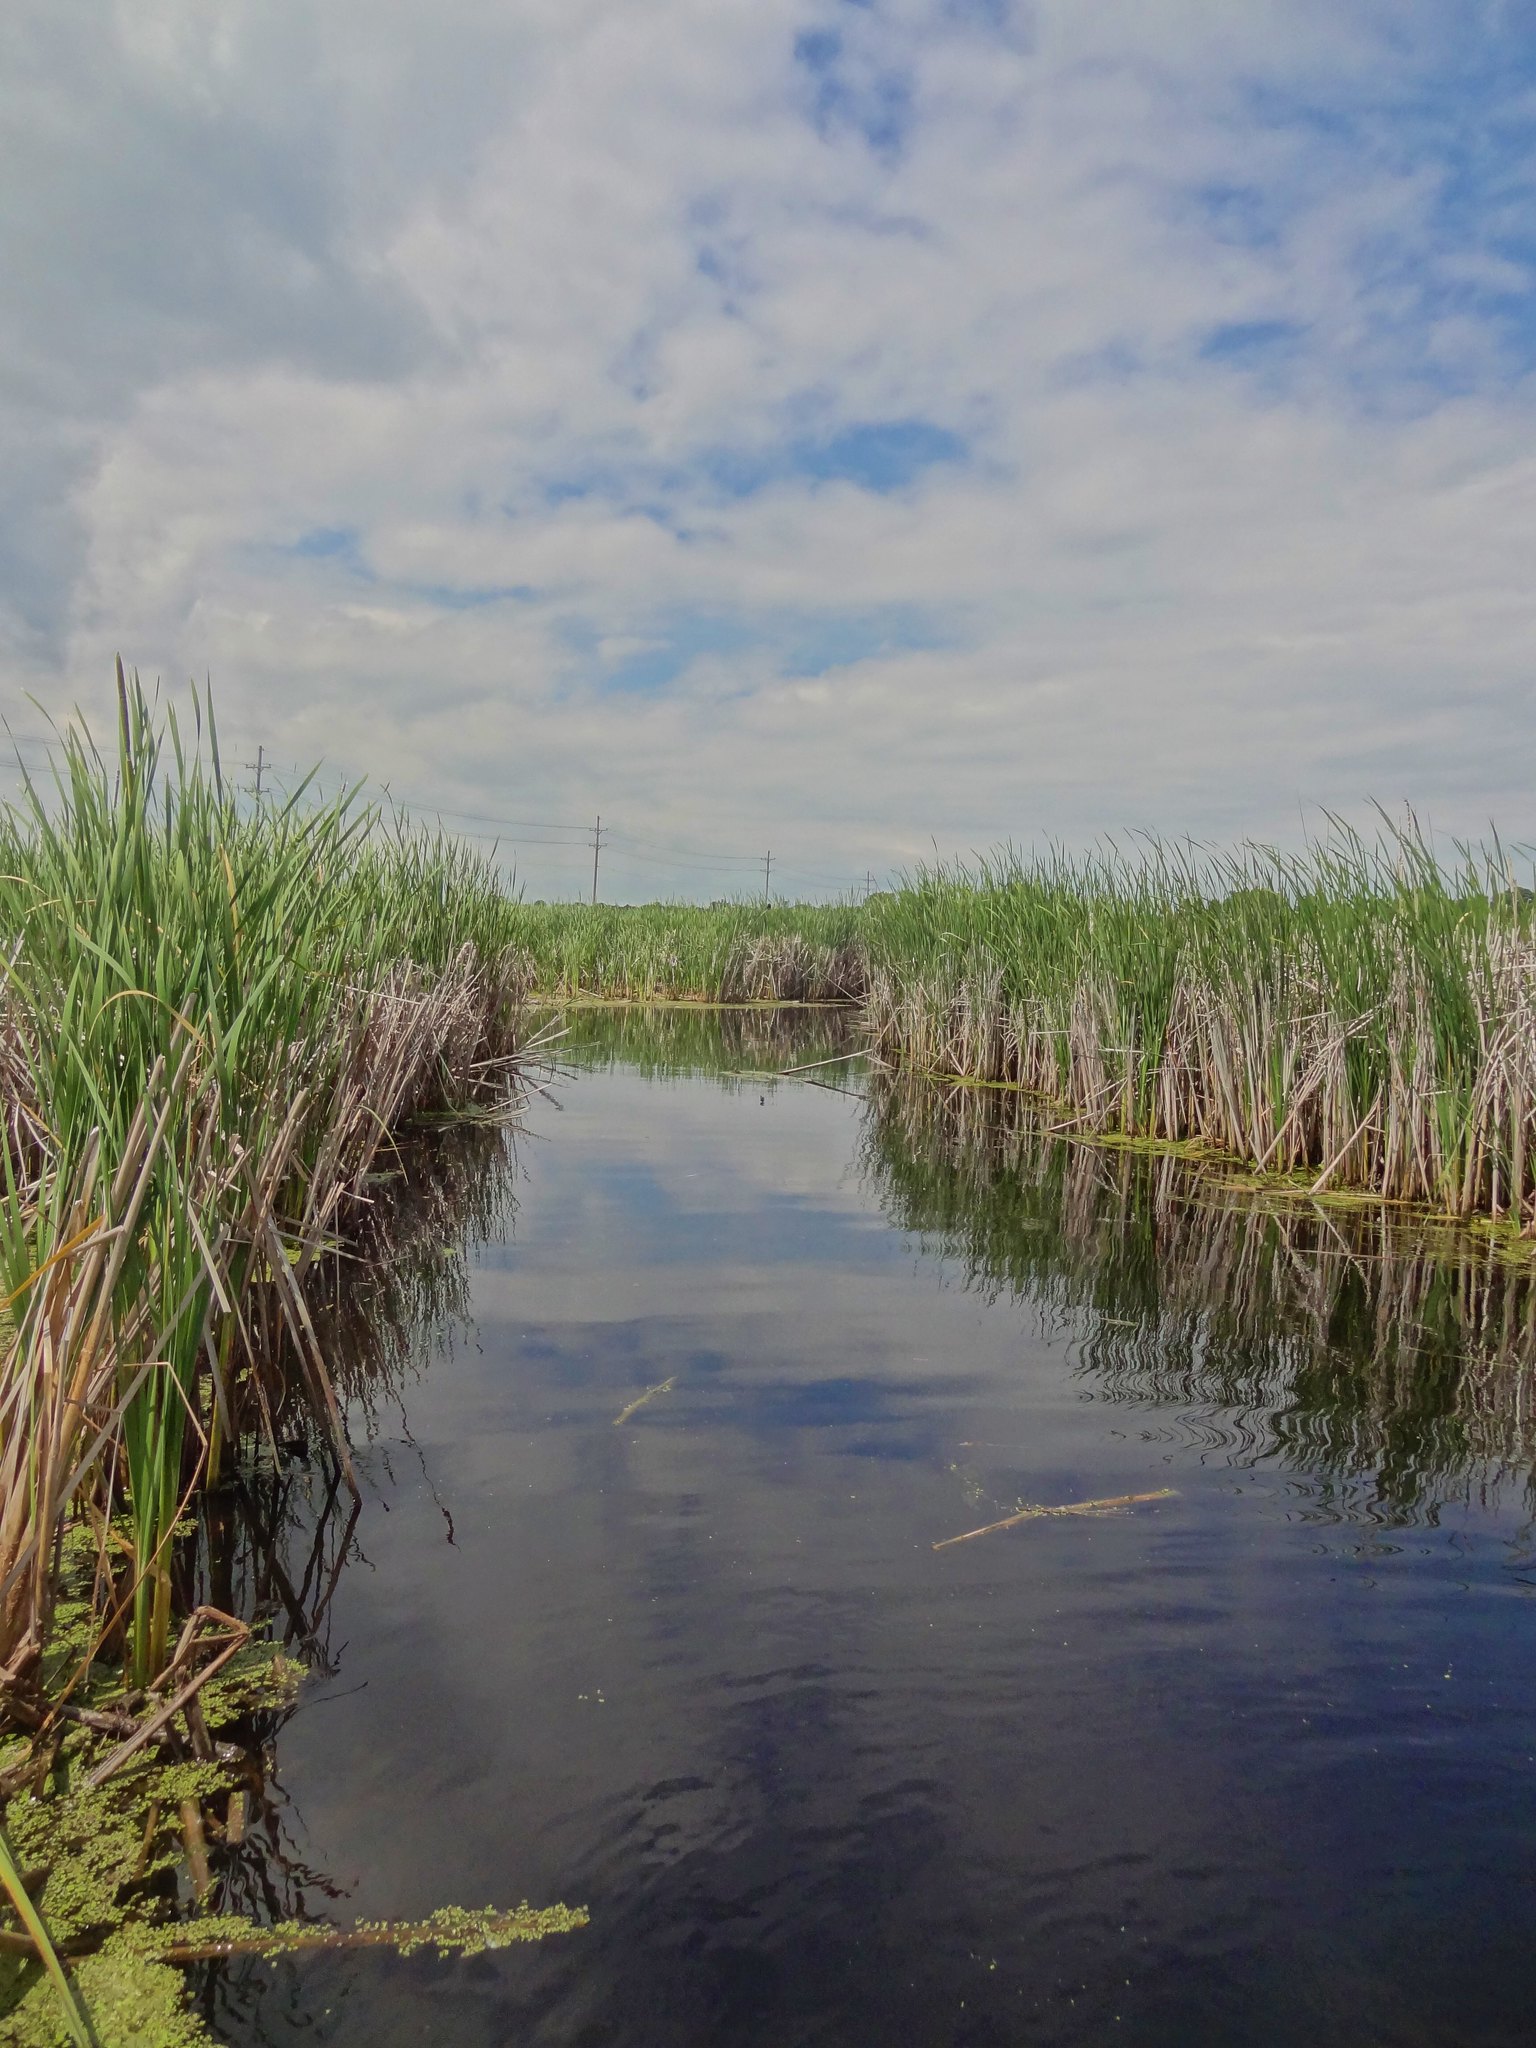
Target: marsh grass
<point>213,1021</point>
<point>1356,1013</point>
<point>722,953</point>
<point>1361,1015</point>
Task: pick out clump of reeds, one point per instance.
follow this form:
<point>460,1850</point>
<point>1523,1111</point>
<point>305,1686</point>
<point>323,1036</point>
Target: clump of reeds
<point>721,953</point>
<point>213,1016</point>
<point>1356,1013</point>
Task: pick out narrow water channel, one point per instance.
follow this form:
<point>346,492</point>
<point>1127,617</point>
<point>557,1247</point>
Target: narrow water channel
<point>1252,1761</point>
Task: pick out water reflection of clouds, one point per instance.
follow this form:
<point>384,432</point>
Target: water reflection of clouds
<point>706,1150</point>
<point>704,1671</point>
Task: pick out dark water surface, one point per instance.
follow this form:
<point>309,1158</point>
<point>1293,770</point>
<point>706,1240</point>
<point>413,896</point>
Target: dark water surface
<point>1254,1763</point>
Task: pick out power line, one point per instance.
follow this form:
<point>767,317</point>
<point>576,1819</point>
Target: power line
<point>662,846</point>
<point>822,881</point>
<point>705,866</point>
<point>519,833</point>
<point>511,839</point>
<point>660,853</point>
<point>481,817</point>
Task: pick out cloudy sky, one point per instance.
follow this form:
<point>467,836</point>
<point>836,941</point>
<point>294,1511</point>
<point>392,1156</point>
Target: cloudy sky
<point>840,428</point>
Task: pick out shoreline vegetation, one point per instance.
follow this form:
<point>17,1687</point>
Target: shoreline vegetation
<point>219,1024</point>
<point>1355,1018</point>
<point>1356,1014</point>
<point>214,1023</point>
<point>732,955</point>
<point>232,1038</point>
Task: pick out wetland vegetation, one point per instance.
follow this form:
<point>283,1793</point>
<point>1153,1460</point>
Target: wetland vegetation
<point>259,1065</point>
<point>1358,1016</point>
<point>725,953</point>
<point>216,1024</point>
<point>1359,1013</point>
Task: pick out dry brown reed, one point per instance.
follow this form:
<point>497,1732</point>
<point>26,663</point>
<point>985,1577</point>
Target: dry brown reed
<point>1358,1017</point>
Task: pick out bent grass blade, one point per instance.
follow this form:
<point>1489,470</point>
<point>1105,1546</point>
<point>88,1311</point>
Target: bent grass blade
<point>74,2013</point>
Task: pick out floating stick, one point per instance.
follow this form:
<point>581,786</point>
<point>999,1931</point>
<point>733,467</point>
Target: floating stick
<point>640,1399</point>
<point>1076,1507</point>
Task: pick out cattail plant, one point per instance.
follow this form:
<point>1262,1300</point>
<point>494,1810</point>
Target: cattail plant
<point>1356,1013</point>
<point>212,1018</point>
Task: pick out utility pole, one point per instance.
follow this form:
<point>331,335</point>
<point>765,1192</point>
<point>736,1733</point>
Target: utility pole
<point>259,764</point>
<point>597,841</point>
<point>767,871</point>
<point>869,884</point>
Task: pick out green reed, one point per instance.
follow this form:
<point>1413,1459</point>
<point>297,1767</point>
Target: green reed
<point>213,1015</point>
<point>1358,1012</point>
<point>724,953</point>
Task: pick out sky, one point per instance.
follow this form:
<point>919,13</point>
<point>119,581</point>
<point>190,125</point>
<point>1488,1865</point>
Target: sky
<point>850,429</point>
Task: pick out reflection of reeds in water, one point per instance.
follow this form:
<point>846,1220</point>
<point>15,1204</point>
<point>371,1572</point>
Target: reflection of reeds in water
<point>1361,1344</point>
<point>408,1286</point>
<point>662,1043</point>
<point>399,1298</point>
<point>271,1544</point>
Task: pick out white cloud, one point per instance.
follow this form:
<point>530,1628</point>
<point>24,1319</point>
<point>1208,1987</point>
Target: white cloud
<point>559,331</point>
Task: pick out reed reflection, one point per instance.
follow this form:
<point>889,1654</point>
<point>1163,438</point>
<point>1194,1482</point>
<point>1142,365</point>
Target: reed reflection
<point>691,1039</point>
<point>272,1543</point>
<point>1362,1343</point>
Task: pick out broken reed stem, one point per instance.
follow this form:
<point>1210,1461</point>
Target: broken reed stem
<point>150,1727</point>
<point>197,1848</point>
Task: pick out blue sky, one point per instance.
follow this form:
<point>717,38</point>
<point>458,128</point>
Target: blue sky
<point>846,428</point>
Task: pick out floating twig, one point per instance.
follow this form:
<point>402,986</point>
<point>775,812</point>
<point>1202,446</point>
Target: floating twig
<point>839,1059</point>
<point>1076,1507</point>
<point>785,1073</point>
<point>640,1399</point>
